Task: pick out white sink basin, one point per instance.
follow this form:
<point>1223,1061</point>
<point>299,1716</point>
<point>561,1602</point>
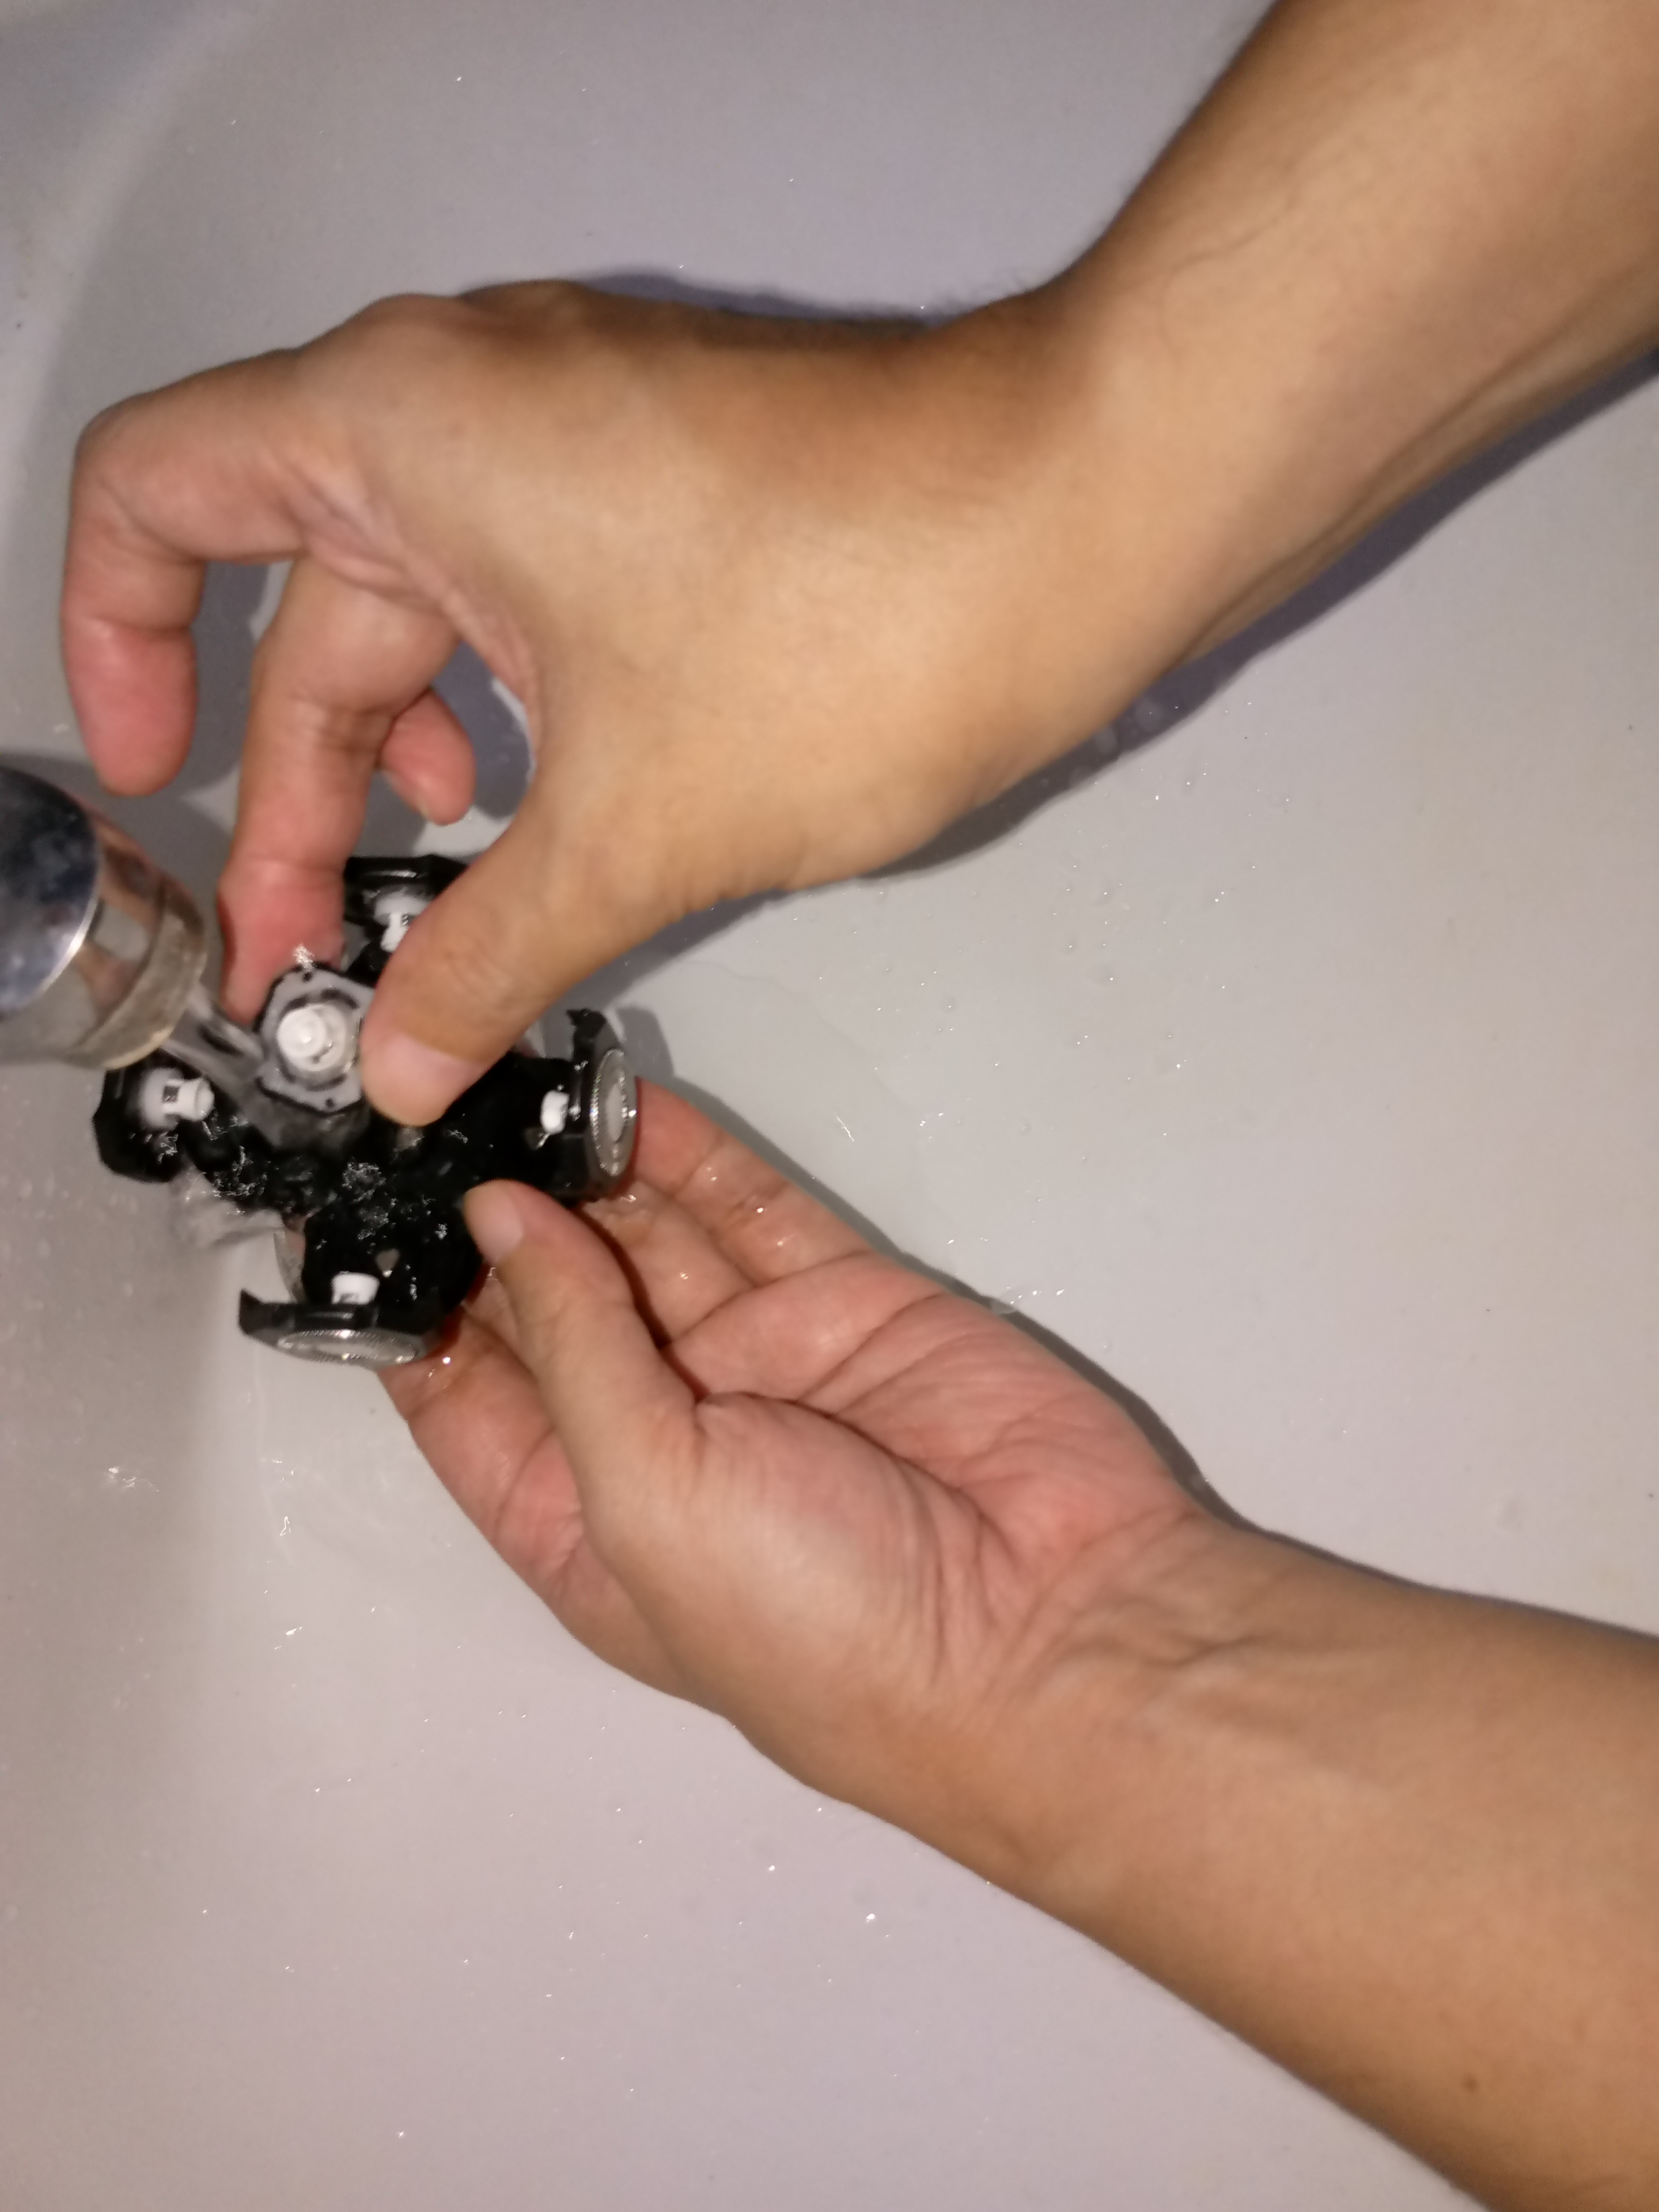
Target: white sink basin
<point>1299,1068</point>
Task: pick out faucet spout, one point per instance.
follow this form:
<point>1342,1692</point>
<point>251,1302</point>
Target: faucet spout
<point>100,951</point>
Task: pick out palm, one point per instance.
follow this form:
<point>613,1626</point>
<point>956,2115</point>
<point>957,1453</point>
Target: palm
<point>831,1488</point>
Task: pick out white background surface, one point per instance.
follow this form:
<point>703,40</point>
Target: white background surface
<point>1299,1067</point>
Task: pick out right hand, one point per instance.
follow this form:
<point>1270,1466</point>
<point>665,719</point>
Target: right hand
<point>781,599</point>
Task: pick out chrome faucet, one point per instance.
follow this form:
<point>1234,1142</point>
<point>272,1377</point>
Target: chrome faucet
<point>100,951</point>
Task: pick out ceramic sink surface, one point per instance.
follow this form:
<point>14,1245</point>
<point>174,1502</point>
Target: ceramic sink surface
<point>1297,1065</point>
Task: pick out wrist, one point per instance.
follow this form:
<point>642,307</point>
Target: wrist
<point>1399,1840</point>
<point>1104,554</point>
<point>1064,1780</point>
<point>1143,501</point>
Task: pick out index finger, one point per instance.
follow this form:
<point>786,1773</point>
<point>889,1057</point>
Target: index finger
<point>202,471</point>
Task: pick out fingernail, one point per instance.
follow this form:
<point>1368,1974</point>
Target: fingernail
<point>409,1081</point>
<point>493,1220</point>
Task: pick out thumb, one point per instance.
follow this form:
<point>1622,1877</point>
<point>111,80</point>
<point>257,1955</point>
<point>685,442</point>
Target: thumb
<point>622,1415</point>
<point>483,962</point>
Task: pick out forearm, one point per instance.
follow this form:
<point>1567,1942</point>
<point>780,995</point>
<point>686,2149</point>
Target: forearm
<point>1406,1843</point>
<point>1397,230</point>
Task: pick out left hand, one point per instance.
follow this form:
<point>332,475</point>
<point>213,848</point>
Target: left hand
<point>1400,1840</point>
<point>752,1461</point>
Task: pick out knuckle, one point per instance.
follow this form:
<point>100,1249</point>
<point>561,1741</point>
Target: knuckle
<point>101,438</point>
<point>483,976</point>
<point>412,378</point>
<point>398,317</point>
<point>542,299</point>
<point>384,346</point>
